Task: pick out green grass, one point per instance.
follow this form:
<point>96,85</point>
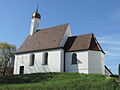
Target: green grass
<point>58,81</point>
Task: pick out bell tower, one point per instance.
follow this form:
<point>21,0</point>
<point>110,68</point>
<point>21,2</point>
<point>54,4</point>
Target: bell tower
<point>35,21</point>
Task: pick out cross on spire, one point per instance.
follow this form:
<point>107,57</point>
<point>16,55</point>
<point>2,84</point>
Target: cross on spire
<point>36,13</point>
<point>37,8</point>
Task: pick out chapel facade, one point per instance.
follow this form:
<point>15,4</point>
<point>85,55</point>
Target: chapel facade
<point>54,49</point>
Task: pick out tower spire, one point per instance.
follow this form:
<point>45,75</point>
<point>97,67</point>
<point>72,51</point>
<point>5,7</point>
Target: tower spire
<point>37,8</point>
<point>36,13</point>
<point>35,21</point>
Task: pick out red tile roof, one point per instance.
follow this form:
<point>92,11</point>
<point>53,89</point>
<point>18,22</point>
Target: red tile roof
<point>83,42</point>
<point>50,38</point>
<point>44,39</point>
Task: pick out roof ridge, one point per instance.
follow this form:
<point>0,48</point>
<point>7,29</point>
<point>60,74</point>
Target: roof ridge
<point>97,43</point>
<point>90,41</point>
<point>54,26</point>
<point>82,35</point>
<point>59,45</point>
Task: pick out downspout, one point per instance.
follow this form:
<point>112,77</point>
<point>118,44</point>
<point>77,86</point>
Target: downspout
<point>64,60</point>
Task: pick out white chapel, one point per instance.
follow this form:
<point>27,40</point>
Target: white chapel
<point>54,49</point>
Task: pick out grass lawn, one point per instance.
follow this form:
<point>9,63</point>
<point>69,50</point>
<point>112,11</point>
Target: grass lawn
<point>58,81</point>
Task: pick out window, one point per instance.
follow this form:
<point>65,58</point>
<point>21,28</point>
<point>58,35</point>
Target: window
<point>32,58</point>
<point>45,58</point>
<point>74,58</point>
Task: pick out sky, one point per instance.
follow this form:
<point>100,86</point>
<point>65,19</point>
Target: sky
<point>101,17</point>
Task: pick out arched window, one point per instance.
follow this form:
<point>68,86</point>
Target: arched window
<point>74,58</point>
<point>45,58</point>
<point>32,59</point>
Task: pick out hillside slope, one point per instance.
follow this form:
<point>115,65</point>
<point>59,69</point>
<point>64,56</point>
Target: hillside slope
<point>58,81</point>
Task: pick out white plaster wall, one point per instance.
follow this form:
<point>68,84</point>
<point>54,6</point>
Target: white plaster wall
<point>34,25</point>
<point>88,62</point>
<point>55,62</point>
<point>82,60</point>
<point>96,62</point>
<point>66,35</point>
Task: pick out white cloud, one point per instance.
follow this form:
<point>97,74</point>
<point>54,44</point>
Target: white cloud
<point>114,48</point>
<point>112,39</point>
<point>110,42</point>
<point>111,45</point>
<point>112,54</point>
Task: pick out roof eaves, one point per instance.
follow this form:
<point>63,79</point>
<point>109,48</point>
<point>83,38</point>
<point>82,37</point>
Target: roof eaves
<point>99,45</point>
<point>108,69</point>
<point>100,48</point>
<point>38,50</point>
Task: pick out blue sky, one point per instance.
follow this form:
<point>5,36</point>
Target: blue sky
<point>101,17</point>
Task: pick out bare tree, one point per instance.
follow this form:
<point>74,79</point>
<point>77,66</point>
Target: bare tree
<point>6,56</point>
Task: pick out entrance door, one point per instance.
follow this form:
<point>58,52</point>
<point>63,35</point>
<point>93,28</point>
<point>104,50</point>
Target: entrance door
<point>21,69</point>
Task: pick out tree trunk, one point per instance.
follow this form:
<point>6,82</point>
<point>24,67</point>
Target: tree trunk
<point>4,71</point>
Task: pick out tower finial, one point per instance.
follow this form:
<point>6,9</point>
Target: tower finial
<point>37,8</point>
<point>36,13</point>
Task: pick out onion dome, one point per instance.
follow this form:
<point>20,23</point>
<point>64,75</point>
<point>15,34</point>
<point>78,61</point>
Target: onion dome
<point>36,14</point>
